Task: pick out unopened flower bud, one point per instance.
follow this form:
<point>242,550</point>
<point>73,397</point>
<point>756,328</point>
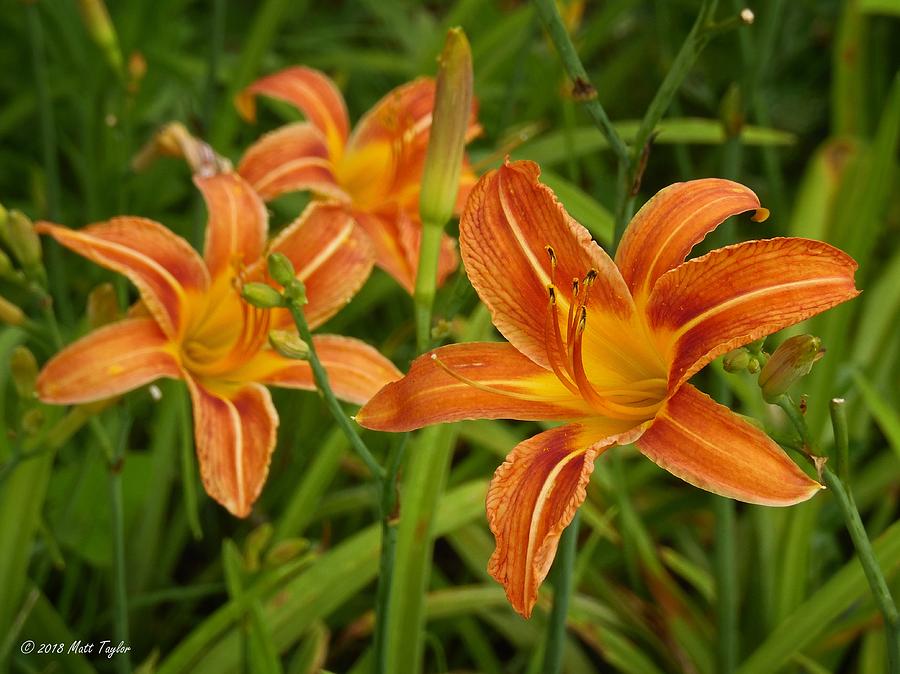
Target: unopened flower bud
<point>10,314</point>
<point>23,370</point>
<point>262,295</point>
<point>102,305</point>
<point>289,344</point>
<point>281,269</point>
<point>23,240</point>
<point>449,125</point>
<point>790,362</point>
<point>753,366</point>
<point>102,31</point>
<point>731,111</point>
<point>737,360</point>
<point>295,291</point>
<point>6,266</point>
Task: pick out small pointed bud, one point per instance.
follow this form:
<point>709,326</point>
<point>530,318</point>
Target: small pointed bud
<point>753,366</point>
<point>23,240</point>
<point>102,31</point>
<point>281,269</point>
<point>174,140</point>
<point>23,369</point>
<point>137,68</point>
<point>731,111</point>
<point>33,420</point>
<point>102,305</point>
<point>10,314</point>
<point>262,295</point>
<point>289,344</point>
<point>737,360</point>
<point>790,362</point>
<point>449,126</point>
<point>6,266</point>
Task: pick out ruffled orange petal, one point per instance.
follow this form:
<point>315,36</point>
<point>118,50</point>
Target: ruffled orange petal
<point>112,360</point>
<point>331,255</point>
<point>356,371</point>
<point>162,265</point>
<point>533,497</point>
<point>312,92</point>
<point>390,254</point>
<point>482,380</point>
<point>235,433</point>
<point>734,295</point>
<point>709,446</point>
<point>237,226</point>
<point>293,158</point>
<point>509,221</point>
<point>668,226</point>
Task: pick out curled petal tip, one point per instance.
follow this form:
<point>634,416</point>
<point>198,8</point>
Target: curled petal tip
<point>761,215</point>
<point>245,103</point>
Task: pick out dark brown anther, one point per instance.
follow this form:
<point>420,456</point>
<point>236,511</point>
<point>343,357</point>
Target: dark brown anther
<point>582,319</point>
<point>575,286</point>
<point>552,292</point>
<point>590,277</point>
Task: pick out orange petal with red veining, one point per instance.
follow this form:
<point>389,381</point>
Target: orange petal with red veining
<point>390,255</point>
<point>481,380</point>
<point>237,223</point>
<point>410,231</point>
<point>534,495</point>
<point>309,90</point>
<point>235,433</point>
<point>331,255</point>
<point>734,295</point>
<point>290,159</point>
<point>356,371</point>
<point>161,264</point>
<point>709,446</point>
<point>112,360</point>
<point>668,226</point>
<point>509,220</point>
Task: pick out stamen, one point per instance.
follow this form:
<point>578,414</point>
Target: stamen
<point>484,387</point>
<point>556,350</point>
<point>552,255</point>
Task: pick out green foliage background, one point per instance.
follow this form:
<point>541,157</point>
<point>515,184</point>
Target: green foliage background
<point>291,588</point>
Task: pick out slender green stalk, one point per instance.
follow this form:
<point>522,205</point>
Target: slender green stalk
<point>426,282</point>
<point>852,520</point>
<point>562,591</point>
<point>322,383</point>
<point>583,89</point>
<point>726,585</point>
<point>841,442</point>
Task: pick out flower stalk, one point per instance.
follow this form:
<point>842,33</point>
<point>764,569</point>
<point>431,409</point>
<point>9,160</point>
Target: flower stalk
<point>852,520</point>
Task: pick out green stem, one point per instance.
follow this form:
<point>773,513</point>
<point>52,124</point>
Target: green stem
<point>426,282</point>
<point>322,383</point>
<point>584,90</point>
<point>841,442</point>
<point>726,585</point>
<point>562,591</point>
<point>852,520</point>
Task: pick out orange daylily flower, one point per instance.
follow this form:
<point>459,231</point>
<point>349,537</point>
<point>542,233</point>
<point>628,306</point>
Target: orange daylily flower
<point>193,324</point>
<point>374,171</point>
<point>608,347</point>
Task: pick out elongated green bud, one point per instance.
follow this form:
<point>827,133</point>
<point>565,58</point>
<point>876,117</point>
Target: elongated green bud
<point>24,370</point>
<point>23,240</point>
<point>289,344</point>
<point>790,362</point>
<point>449,124</point>
<point>281,269</point>
<point>102,305</point>
<point>6,266</point>
<point>10,313</point>
<point>103,33</point>
<point>262,295</point>
<point>736,361</point>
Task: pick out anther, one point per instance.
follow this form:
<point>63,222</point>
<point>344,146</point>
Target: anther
<point>552,292</point>
<point>590,277</point>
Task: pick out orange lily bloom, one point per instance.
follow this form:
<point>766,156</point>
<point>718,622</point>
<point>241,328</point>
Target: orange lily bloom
<point>608,347</point>
<point>193,324</point>
<point>374,171</point>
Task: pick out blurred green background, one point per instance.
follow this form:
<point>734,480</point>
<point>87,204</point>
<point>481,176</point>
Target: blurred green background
<point>803,106</point>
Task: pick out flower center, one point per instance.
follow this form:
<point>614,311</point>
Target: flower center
<point>226,333</point>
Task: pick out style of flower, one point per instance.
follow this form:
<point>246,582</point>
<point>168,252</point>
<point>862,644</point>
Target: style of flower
<point>374,171</point>
<point>609,347</point>
<point>192,324</point>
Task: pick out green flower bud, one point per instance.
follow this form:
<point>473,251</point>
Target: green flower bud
<point>731,111</point>
<point>6,266</point>
<point>24,370</point>
<point>281,269</point>
<point>790,362</point>
<point>262,295</point>
<point>295,291</point>
<point>737,360</point>
<point>289,344</point>
<point>449,126</point>
<point>23,240</point>
<point>10,313</point>
<point>102,305</point>
<point>96,19</point>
